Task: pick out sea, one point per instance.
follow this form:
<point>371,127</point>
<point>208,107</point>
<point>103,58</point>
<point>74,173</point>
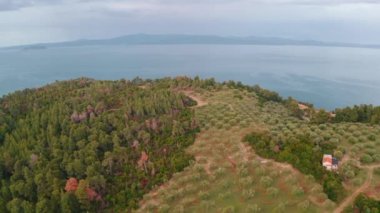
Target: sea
<point>328,77</point>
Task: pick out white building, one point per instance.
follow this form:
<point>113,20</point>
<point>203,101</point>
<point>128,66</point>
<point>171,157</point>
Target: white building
<point>329,162</point>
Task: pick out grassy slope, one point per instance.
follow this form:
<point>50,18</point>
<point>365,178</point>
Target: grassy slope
<point>227,175</point>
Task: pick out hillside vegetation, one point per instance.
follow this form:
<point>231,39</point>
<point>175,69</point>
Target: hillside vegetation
<point>182,145</point>
<point>113,140</point>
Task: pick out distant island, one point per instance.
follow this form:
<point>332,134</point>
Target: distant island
<point>168,39</point>
<point>34,47</point>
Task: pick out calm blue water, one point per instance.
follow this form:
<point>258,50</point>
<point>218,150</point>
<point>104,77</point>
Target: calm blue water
<point>326,76</point>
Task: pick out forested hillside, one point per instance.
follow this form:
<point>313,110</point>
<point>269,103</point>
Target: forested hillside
<point>86,145</point>
<point>182,145</point>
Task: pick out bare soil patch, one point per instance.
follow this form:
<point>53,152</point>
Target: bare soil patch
<point>196,97</point>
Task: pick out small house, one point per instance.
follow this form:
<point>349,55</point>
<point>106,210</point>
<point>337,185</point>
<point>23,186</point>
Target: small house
<point>329,162</point>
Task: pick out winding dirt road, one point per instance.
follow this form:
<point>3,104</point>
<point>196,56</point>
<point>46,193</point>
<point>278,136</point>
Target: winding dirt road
<point>353,195</point>
<point>350,199</point>
<point>192,95</point>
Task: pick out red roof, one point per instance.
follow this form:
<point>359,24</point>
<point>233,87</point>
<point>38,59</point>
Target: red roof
<point>327,159</point>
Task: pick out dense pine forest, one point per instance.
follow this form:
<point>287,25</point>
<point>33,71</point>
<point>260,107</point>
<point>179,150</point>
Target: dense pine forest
<point>86,145</point>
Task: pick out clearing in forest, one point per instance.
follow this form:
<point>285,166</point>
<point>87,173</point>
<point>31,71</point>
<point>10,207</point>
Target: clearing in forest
<point>226,175</point>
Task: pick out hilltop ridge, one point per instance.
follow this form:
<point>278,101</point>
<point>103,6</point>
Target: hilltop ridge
<point>182,144</point>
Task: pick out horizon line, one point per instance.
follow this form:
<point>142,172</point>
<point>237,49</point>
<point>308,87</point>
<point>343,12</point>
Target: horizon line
<point>322,42</point>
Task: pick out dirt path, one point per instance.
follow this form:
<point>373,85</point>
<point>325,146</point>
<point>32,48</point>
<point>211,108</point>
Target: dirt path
<point>353,195</point>
<point>192,95</point>
<point>278,164</point>
<point>346,202</point>
<point>344,159</point>
<point>245,151</point>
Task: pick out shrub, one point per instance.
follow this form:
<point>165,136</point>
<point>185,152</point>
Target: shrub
<point>164,208</point>
<point>244,124</point>
<point>179,209</point>
<point>352,128</point>
<point>352,140</point>
<point>253,208</point>
<point>291,179</point>
<point>371,151</point>
<point>322,126</point>
<point>326,136</point>
<point>329,204</point>
<point>186,201</point>
<point>169,196</point>
<point>338,154</point>
<point>243,172</point>
<point>304,205</point>
<point>199,167</point>
<point>249,193</point>
<point>349,174</point>
<point>204,195</point>
<point>376,157</point>
<point>228,209</point>
<point>207,205</point>
<point>273,191</point>
<point>151,207</point>
<point>334,141</point>
<point>206,126</point>
<point>363,138</point>
<point>371,137</point>
<point>266,181</point>
<point>281,207</point>
<point>191,188</point>
<point>317,189</point>
<point>370,145</point>
<point>357,181</point>
<point>297,191</point>
<point>260,171</point>
<point>247,181</point>
<point>205,183</point>
<point>366,158</point>
<point>377,171</point>
<point>227,126</point>
<point>310,178</point>
<point>357,133</point>
<point>363,203</point>
<point>322,196</point>
<point>254,163</point>
<point>355,149</point>
<point>274,173</point>
<point>213,121</point>
<point>220,171</point>
<point>226,184</point>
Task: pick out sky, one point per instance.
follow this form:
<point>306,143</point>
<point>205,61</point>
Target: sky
<point>33,21</point>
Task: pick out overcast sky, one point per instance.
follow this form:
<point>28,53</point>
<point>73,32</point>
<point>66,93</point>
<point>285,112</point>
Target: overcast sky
<point>30,21</point>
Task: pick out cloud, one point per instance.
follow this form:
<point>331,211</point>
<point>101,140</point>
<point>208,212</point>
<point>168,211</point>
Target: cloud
<point>17,4</point>
<point>330,2</point>
<point>6,5</point>
<point>316,2</point>
<point>272,2</point>
<point>12,5</point>
<point>30,21</point>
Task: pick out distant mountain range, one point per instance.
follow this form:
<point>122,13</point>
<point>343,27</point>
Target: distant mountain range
<point>151,39</point>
